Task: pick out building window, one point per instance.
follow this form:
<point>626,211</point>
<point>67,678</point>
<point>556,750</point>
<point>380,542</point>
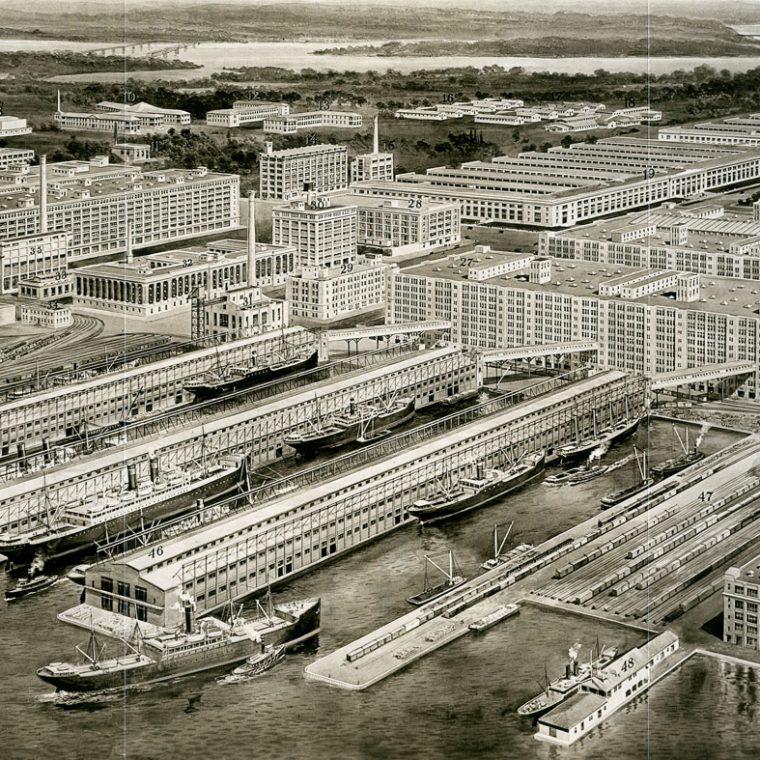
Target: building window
<point>122,589</point>
<point>106,584</point>
<point>106,603</point>
<point>141,612</point>
<point>125,608</point>
<point>141,594</point>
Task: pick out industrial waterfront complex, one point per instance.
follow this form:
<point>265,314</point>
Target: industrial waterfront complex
<point>220,386</point>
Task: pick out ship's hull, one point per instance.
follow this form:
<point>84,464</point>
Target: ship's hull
<point>257,376</point>
<point>17,592</point>
<point>344,435</point>
<point>666,469</point>
<point>438,512</point>
<point>584,449</point>
<point>52,545</point>
<point>228,653</point>
<point>626,493</point>
<point>435,593</point>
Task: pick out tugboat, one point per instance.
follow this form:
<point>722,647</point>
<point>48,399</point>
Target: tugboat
<point>566,685</point>
<point>360,424</point>
<point>211,643</point>
<point>485,487</point>
<point>73,527</point>
<point>34,582</point>
<point>429,593</point>
<point>675,464</point>
<point>266,659</point>
<point>234,378</point>
<point>643,483</point>
<point>575,475</point>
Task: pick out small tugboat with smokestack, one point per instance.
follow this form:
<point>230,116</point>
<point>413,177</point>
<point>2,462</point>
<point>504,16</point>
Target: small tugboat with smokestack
<point>35,581</point>
<point>676,464</point>
<point>362,423</point>
<point>75,526</point>
<point>200,645</point>
<point>568,683</point>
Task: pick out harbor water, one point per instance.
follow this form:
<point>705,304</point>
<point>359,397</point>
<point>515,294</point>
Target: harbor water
<point>457,703</point>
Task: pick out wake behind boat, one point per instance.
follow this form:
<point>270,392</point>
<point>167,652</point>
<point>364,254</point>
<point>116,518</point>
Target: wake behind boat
<point>210,643</point>
<point>361,423</point>
<point>485,487</point>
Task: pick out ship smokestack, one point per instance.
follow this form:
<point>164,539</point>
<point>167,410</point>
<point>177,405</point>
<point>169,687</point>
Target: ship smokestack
<point>46,449</point>
<point>251,241</point>
<point>131,477</point>
<point>43,194</point>
<point>188,606</point>
<point>568,670</point>
<point>130,255</point>
<point>155,469</point>
<point>480,471</point>
<point>352,405</point>
<point>376,135</point>
<point>575,667</point>
<point>21,454</point>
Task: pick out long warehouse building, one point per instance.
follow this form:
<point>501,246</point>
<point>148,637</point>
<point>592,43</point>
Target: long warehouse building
<point>245,552</point>
<point>428,376</point>
<point>566,186</point>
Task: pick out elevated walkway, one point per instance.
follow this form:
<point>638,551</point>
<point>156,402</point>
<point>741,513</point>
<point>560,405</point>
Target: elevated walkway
<point>497,355</point>
<point>703,374</point>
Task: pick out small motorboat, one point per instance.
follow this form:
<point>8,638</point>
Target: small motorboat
<point>267,658</point>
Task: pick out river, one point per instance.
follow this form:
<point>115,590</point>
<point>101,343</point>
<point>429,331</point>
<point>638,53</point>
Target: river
<point>457,703</point>
<point>214,56</point>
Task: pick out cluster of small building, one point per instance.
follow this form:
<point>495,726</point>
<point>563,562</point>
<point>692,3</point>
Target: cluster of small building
<point>277,119</point>
<point>563,117</point>
<point>121,119</point>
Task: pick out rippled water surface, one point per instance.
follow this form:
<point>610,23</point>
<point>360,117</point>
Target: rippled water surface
<point>458,703</point>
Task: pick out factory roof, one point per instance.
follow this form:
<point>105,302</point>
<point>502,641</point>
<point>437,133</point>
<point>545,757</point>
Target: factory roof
<point>142,107</point>
<point>321,148</point>
<point>719,295</point>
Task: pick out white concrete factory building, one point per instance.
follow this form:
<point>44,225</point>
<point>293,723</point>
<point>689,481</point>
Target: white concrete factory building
<point>292,173</point>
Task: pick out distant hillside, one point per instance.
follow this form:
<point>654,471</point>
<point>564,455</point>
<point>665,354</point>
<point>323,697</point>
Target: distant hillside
<point>188,21</point>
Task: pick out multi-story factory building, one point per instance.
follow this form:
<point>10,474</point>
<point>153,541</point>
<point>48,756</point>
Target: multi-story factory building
<point>741,596</point>
<point>40,255</point>
<point>566,186</point>
<point>324,235</point>
<point>245,112</point>
<point>291,173</point>
<point>398,229</point>
<point>93,207</point>
<point>702,239</point>
<point>644,320</point>
<point>292,123</point>
<point>15,156</point>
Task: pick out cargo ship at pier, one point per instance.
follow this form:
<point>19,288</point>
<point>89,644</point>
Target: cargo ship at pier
<point>602,440</point>
<point>360,424</point>
<point>675,464</point>
<point>485,487</point>
<point>234,378</point>
<point>204,645</point>
<point>75,526</point>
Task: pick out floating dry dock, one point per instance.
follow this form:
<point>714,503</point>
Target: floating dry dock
<point>636,564</point>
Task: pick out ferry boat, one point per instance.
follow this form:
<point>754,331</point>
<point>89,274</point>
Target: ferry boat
<point>259,663</point>
<point>488,621</point>
<point>234,378</point>
<point>211,643</point>
<point>360,424</point>
<point>429,593</point>
<point>485,487</point>
<point>77,525</point>
<point>569,683</point>
<point>602,440</point>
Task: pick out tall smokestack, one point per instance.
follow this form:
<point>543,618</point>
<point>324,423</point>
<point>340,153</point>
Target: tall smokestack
<point>376,138</point>
<point>43,194</point>
<point>59,101</point>
<point>130,256</point>
<point>251,241</point>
